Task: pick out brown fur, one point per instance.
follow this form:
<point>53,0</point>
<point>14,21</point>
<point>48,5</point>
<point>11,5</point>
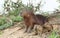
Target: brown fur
<point>31,19</point>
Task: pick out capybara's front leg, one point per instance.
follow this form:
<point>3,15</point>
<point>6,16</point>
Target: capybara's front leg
<point>26,29</point>
<point>30,28</point>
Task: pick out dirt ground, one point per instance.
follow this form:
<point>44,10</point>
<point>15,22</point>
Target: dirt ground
<point>16,32</point>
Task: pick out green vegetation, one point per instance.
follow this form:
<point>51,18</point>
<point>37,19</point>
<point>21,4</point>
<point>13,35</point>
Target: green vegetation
<point>6,22</point>
<point>2,20</point>
<point>54,34</point>
<point>16,18</point>
<point>13,14</point>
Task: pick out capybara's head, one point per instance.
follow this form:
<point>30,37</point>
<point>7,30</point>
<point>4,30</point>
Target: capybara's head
<point>26,13</point>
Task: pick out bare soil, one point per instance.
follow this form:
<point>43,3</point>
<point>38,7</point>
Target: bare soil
<point>17,32</point>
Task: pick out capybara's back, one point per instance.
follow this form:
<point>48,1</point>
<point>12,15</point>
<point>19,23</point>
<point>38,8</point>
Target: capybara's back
<point>41,19</point>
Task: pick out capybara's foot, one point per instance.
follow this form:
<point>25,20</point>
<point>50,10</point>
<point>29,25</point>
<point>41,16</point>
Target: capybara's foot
<point>25,31</point>
<point>28,31</point>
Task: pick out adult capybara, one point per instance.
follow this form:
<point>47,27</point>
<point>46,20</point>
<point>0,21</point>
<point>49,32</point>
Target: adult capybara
<point>31,19</point>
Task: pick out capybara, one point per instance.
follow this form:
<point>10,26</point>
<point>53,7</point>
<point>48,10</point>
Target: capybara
<point>31,19</point>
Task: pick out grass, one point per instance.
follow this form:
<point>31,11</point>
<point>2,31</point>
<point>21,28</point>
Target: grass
<point>2,20</point>
<point>54,35</point>
<point>16,18</point>
<point>5,23</point>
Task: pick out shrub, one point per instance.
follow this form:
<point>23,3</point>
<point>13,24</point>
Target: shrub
<point>4,22</point>
<point>16,18</point>
<point>4,26</point>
